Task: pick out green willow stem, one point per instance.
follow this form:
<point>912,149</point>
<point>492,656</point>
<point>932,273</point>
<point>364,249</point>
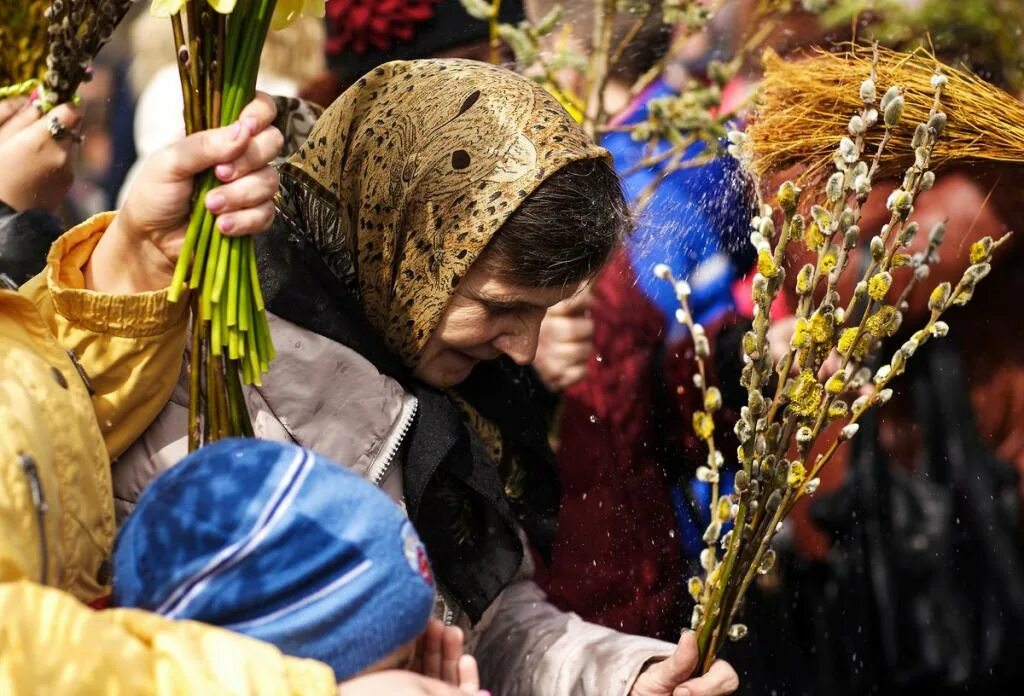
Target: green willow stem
<point>245,292</point>
<point>233,282</point>
<point>202,249</point>
<point>194,226</point>
<point>708,621</point>
<point>195,379</point>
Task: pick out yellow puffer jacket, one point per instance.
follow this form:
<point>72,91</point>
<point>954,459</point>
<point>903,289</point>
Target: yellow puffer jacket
<point>56,504</point>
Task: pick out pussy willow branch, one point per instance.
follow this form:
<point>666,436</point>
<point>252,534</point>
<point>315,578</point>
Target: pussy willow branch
<point>786,481</point>
<point>492,29</point>
<point>599,68</point>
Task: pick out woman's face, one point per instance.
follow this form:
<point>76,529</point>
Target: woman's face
<point>487,317</point>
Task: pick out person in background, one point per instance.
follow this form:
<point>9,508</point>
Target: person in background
<point>280,544</point>
<point>362,34</point>
<point>32,193</point>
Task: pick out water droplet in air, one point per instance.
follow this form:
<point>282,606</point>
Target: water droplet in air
<point>593,418</point>
<point>599,357</point>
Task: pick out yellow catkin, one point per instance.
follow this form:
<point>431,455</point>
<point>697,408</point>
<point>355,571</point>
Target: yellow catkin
<point>801,332</point>
<point>805,394</point>
<point>835,383</point>
<point>846,343</point>
<point>703,425</point>
<point>766,265</point>
<point>879,285</point>
<point>884,322</point>
<point>813,237</point>
<point>980,251</point>
<point>797,474</point>
<point>828,262</point>
<point>821,328</point>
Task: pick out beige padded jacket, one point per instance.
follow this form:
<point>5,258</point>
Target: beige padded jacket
<point>324,396</point>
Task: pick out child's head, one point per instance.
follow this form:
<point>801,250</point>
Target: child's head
<point>275,542</point>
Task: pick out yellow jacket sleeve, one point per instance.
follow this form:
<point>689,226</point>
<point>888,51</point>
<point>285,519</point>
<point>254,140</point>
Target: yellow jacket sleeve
<point>130,346</point>
<point>56,530</point>
<point>52,644</point>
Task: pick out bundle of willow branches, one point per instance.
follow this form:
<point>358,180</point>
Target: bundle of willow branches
<point>802,102</point>
<point>53,42</point>
<point>218,49</point>
<point>780,424</point>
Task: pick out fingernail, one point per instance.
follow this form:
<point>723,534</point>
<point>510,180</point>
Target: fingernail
<point>214,201</point>
<point>224,171</point>
<point>236,130</point>
<point>252,124</point>
<point>225,224</point>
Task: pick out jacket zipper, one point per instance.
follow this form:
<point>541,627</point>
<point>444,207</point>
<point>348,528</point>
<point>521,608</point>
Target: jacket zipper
<point>449,615</point>
<point>403,431</point>
<point>28,465</point>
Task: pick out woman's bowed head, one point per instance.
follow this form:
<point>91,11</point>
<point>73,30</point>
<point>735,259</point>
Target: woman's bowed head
<point>517,210</point>
<point>551,244</point>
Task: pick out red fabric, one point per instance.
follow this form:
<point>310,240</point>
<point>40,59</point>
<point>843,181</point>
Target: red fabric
<point>101,603</point>
<point>617,559</point>
<point>364,25</point>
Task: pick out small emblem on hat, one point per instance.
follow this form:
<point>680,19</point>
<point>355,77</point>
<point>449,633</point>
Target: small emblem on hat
<point>416,554</point>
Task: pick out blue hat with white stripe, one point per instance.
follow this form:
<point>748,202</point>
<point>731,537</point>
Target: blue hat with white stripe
<point>280,544</point>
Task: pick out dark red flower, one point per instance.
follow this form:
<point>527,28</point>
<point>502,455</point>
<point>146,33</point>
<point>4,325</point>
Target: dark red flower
<point>362,25</point>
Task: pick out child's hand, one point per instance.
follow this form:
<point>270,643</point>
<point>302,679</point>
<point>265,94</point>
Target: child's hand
<point>396,683</point>
<point>439,655</point>
<point>140,248</point>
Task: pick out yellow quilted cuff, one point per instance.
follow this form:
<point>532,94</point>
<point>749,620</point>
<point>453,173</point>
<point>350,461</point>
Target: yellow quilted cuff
<point>131,316</point>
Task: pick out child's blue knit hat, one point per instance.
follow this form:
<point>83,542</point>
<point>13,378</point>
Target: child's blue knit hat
<point>280,544</point>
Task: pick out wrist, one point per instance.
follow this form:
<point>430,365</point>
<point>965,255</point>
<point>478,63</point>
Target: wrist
<point>12,198</point>
<point>124,262</point>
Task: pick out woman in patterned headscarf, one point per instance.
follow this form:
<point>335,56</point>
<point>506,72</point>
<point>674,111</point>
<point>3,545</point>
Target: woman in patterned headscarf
<point>431,217</point>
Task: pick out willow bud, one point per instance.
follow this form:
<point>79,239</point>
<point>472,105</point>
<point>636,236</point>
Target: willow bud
<point>867,91</point>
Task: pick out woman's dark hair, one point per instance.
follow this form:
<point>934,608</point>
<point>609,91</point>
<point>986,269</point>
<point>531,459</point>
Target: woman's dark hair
<point>565,230</point>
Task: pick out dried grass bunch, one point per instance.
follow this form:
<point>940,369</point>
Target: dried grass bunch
<point>804,103</point>
<point>791,401</point>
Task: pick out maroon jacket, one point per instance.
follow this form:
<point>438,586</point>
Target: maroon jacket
<point>617,560</point>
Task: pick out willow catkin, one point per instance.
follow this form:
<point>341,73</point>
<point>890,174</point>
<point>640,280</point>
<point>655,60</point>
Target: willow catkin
<point>77,30</point>
<point>23,43</point>
<point>805,106</point>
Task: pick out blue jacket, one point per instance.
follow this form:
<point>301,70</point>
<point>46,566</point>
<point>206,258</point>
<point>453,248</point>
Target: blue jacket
<point>695,222</point>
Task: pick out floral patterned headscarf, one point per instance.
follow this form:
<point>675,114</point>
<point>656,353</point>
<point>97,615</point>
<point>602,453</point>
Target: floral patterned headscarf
<point>410,173</point>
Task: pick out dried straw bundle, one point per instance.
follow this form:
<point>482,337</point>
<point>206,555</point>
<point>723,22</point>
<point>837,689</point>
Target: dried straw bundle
<point>804,103</point>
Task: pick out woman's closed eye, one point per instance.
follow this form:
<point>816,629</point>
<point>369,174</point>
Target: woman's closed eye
<point>504,308</point>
